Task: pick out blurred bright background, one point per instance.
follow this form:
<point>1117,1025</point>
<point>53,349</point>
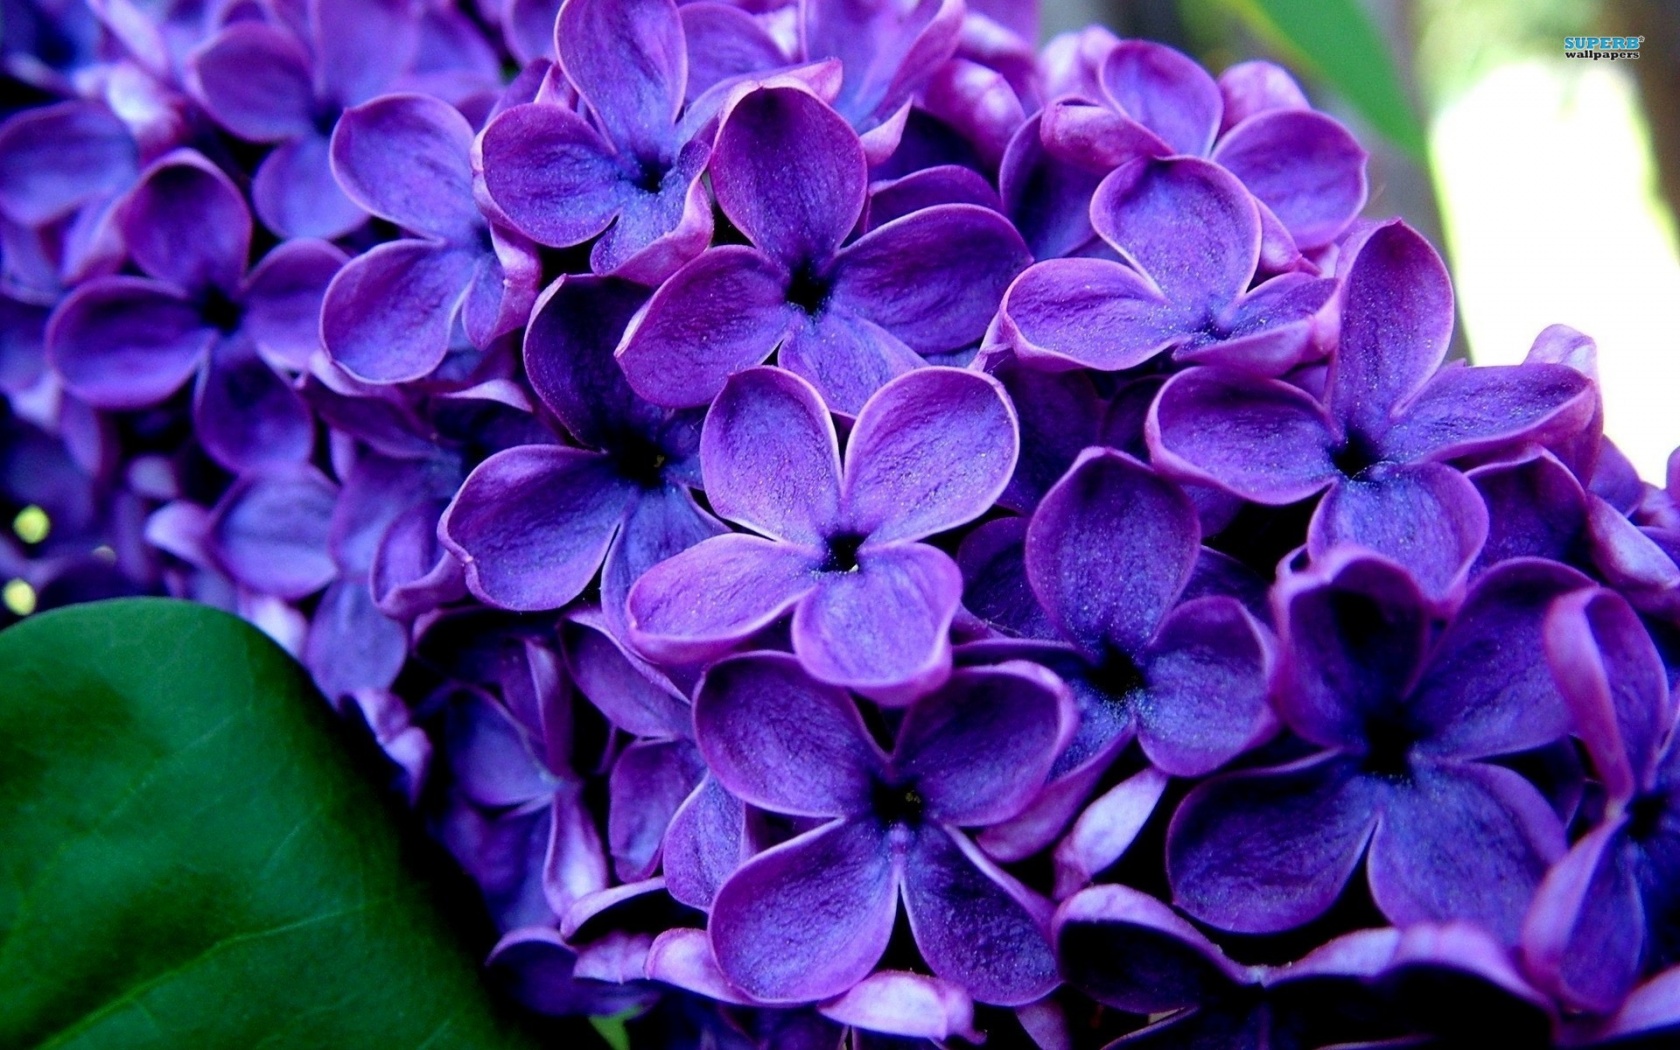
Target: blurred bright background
<point>1551,182</point>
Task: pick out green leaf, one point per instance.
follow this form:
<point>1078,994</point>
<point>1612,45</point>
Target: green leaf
<point>1336,42</point>
<point>614,1030</point>
<point>190,859</point>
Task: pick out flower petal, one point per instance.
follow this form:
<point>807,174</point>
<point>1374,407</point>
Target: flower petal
<point>569,346</point>
<point>771,457</point>
<point>1304,166</point>
<point>631,694</point>
<point>1466,411</point>
<point>1106,830</point>
<point>362,45</point>
<point>704,845</point>
<point>931,450</point>
<point>649,781</point>
<point>295,194</point>
<point>635,87</point>
<point>1420,870</point>
<point>186,224</point>
<point>550,174</point>
<point>723,312</point>
<point>254,80</point>
<point>1427,516</point>
<point>269,532</point>
<point>388,315</point>
<point>976,925</point>
<point>1264,851</point>
<point>404,158</point>
<point>662,522</point>
<point>246,416</point>
<point>810,918</point>
<point>701,603</point>
<point>779,740</point>
<point>1585,931</point>
<point>531,524</point>
<point>283,296</point>
<point>1128,950</point>
<point>724,42</point>
<point>352,645</point>
<point>1109,549</point>
<point>1263,440</point>
<point>911,1005</point>
<point>884,628</point>
<point>847,357</point>
<point>1188,225</point>
<point>56,158</point>
<point>126,342</point>
<point>1089,312</point>
<point>1048,199</point>
<point>790,174</point>
<point>978,750</point>
<point>1208,683</point>
<point>1167,92</point>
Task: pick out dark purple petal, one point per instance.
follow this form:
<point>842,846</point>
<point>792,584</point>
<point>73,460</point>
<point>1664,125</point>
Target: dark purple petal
<point>927,188</point>
<point>270,532</point>
<point>995,585</point>
<point>489,755</point>
<point>295,194</point>
<point>846,356</point>
<point>1188,224</point>
<point>1427,516</point>
<point>723,312</point>
<point>550,174</point>
<point>362,45</point>
<point>931,451</point>
<point>724,42</point>
<point>254,80</point>
<point>56,158</point>
<point>888,51</point>
<point>404,158</point>
<point>1536,508</point>
<point>247,417</point>
<point>790,173</point>
<point>1090,312</point>
<point>126,342</point>
<point>1261,852</point>
<point>1208,675</point>
<point>1354,630</point>
<point>771,457</point>
<point>1487,690</point>
<point>808,919</point>
<point>884,627</point>
<point>1615,685</point>
<point>933,278</point>
<point>662,523</point>
<point>1096,137</point>
<point>1109,549</point>
<point>1263,440</point>
<point>283,296</point>
<point>701,603</point>
<point>1420,869</point>
<point>978,750</point>
<point>704,845</point>
<point>569,345</point>
<point>388,316</point>
<point>1047,198</point>
<point>412,572</point>
<point>630,693</point>
<point>531,524</point>
<point>1585,931</point>
<point>352,645</point>
<point>1397,316</point>
<point>975,924</point>
<point>1167,92</point>
<point>528,26</point>
<point>186,224</point>
<point>649,781</point>
<point>1463,411</point>
<point>1128,950</point>
<point>636,85</point>
<point>1303,166</point>
<point>781,741</point>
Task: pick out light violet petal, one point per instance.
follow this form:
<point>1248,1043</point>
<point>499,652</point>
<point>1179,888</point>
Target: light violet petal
<point>779,740</point>
<point>706,842</point>
<point>388,315</point>
<point>56,158</point>
<point>635,87</point>
<point>1166,91</point>
<point>1303,166</point>
<point>629,692</point>
<point>911,1005</point>
<point>283,296</point>
<point>701,603</point>
<point>808,919</point>
<point>270,532</point>
<point>254,80</point>
<point>770,456</point>
<point>186,224</point>
<point>883,628</point>
<point>649,781</point>
<point>725,42</point>
<point>351,644</point>
<point>1208,673</point>
<point>1106,830</point>
<point>1187,224</point>
<point>1585,931</point>
<point>531,524</point>
<point>295,194</point>
<point>362,45</point>
<point>1464,411</point>
<point>1426,516</point>
<point>550,174</point>
<point>683,957</point>
<point>846,356</point>
<point>1089,312</point>
<point>1257,87</point>
<point>404,158</point>
<point>126,342</point>
<point>1096,137</point>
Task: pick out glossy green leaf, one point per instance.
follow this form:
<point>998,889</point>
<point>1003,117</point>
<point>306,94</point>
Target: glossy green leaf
<point>1336,42</point>
<point>189,859</point>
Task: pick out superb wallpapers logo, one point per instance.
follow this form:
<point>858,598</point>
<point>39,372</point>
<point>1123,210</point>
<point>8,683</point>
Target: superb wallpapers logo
<point>1597,47</point>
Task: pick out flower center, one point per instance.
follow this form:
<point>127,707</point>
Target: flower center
<point>809,289</point>
<point>1645,815</point>
<point>843,552</point>
<point>1116,674</point>
<point>650,174</point>
<point>220,312</point>
<point>1356,456</point>
<point>898,805</point>
<point>639,460</point>
<point>1388,748</point>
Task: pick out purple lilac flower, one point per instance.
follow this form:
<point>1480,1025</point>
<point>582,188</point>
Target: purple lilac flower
<point>1191,235</point>
<point>533,524</point>
<point>632,176</point>
<point>1405,724</point>
<point>123,342</point>
<point>390,315</point>
<point>809,918</point>
<point>1306,170</point>
<point>1108,555</point>
<point>1376,445</point>
<point>837,545</point>
<point>791,175</point>
<point>287,85</point>
<point>1609,910</point>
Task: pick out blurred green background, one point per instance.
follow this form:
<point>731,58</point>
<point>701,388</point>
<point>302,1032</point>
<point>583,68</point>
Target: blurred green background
<point>1551,183</point>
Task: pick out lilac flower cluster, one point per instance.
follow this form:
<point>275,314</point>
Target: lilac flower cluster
<point>758,468</point>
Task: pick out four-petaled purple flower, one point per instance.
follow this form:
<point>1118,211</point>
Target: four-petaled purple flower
<point>837,546</point>
<point>1406,722</point>
<point>810,918</point>
<point>790,173</point>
